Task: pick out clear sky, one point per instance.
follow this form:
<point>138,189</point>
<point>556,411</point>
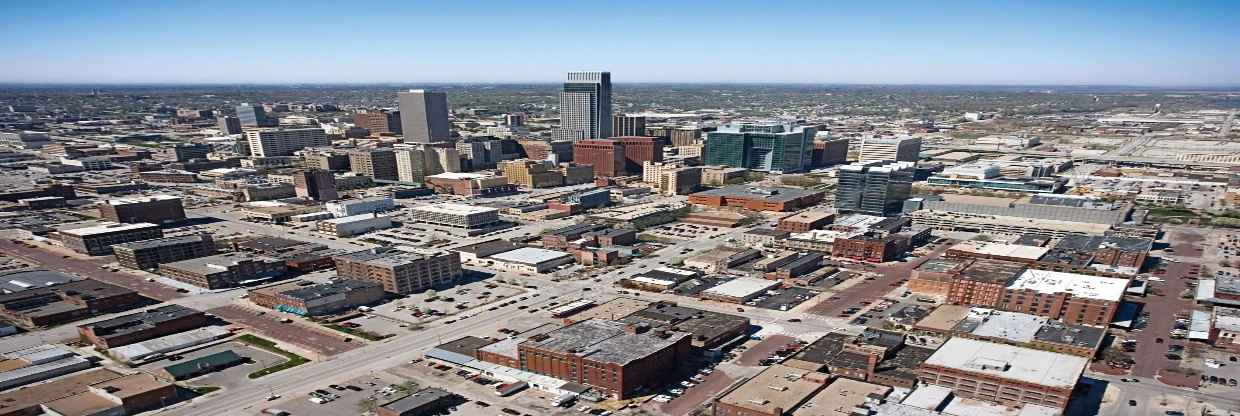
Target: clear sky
<point>1151,43</point>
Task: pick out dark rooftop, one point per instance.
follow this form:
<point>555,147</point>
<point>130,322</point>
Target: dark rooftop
<point>942,265</point>
<point>768,232</point>
<point>822,350</point>
<point>487,248</point>
<point>704,325</point>
<point>1034,240</point>
<point>1093,243</point>
<point>605,341</point>
<point>162,242</point>
<point>323,290</point>
<point>575,230</point>
<point>274,245</point>
<point>1079,335</point>
<point>465,345</point>
<point>417,400</point>
<point>140,321</point>
<point>993,271</point>
<point>775,194</point>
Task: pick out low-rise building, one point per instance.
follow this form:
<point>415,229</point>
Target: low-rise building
<point>776,391</point>
<point>318,299</point>
<point>141,326</point>
<point>126,395</point>
<point>777,199</point>
<point>457,218</point>
<point>223,270</point>
<point>1003,374</point>
<point>805,221</point>
<point>425,402</point>
<point>721,258</point>
<point>531,260</point>
<point>739,290</point>
<point>157,209</point>
<point>614,358</point>
<point>709,330</point>
<point>65,302</point>
<point>349,208</point>
<point>354,225</point>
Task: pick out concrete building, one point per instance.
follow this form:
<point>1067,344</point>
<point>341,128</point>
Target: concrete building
<point>531,174</point>
<point>671,179</point>
<point>1003,374</point>
<point>351,207</point>
<point>765,147</point>
<point>284,142</point>
<point>424,402</point>
<point>222,270</point>
<point>1011,217</point>
<point>354,225</point>
<point>318,299</point>
<point>149,254</point>
<point>585,105</point>
<point>424,116</point>
<point>754,198</point>
<point>456,216</point>
<point>98,240</point>
<point>157,209</point>
<point>480,152</point>
<point>531,260</point>
<point>614,358</point>
<point>877,188</point>
<point>254,116</point>
<point>889,149</point>
<point>376,163</point>
<point>721,175</point>
<point>739,290</point>
<point>25,139</point>
<point>141,326</point>
<point>401,272</point>
<point>470,184</point>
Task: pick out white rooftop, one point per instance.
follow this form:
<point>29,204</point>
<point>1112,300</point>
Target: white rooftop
<point>107,228</point>
<point>529,255</point>
<point>458,175</point>
<point>351,218</point>
<point>1080,285</point>
<point>141,199</point>
<point>741,287</point>
<point>1020,327</point>
<point>1010,362</point>
<point>454,209</point>
<point>1001,249</point>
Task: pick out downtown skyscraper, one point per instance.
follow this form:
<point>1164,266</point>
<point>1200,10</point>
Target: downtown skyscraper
<point>585,105</point>
<point>424,116</point>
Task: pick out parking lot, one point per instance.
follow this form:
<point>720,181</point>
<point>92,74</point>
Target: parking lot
<point>409,313</point>
<point>300,334</point>
<point>347,399</point>
<point>684,231</point>
<point>230,378</point>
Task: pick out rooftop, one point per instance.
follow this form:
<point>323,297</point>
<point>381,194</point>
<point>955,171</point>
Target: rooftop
<point>840,398</point>
<point>741,287</point>
<point>140,321</point>
<point>416,400</point>
<point>704,325</point>
<point>1001,250</point>
<point>530,255</point>
<point>466,345</point>
<point>1012,326</point>
<point>1079,285</point>
<point>942,265</point>
<point>23,280</point>
<point>323,290</point>
<point>776,387</point>
<point>32,395</point>
<point>614,309</point>
<point>108,228</point>
<point>1010,362</point>
<point>454,209</point>
<point>161,242</point>
<point>458,175</point>
<point>992,271</point>
<point>213,264</point>
<point>605,341</point>
<point>773,194</point>
<point>142,199</point>
<point>1094,242</point>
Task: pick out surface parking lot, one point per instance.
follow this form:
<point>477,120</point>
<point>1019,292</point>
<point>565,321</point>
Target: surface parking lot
<point>230,378</point>
<point>683,231</point>
<point>268,324</point>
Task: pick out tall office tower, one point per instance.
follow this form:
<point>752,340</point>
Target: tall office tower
<point>769,147</point>
<point>283,142</point>
<point>606,156</point>
<point>622,125</point>
<point>874,188</point>
<point>479,152</point>
<point>585,105</point>
<point>899,149</point>
<point>424,116</point>
<point>379,122</point>
<point>255,116</point>
<point>229,124</point>
<point>638,150</point>
<point>830,152</point>
<point>376,163</point>
<point>514,119</point>
<point>315,185</point>
<point>188,151</point>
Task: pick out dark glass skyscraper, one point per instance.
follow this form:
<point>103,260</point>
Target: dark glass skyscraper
<point>768,147</point>
<point>875,188</point>
<point>254,116</point>
<point>585,105</point>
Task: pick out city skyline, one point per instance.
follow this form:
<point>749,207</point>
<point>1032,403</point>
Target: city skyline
<point>961,43</point>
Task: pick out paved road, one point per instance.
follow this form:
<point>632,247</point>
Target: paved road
<point>889,278</point>
<point>1150,355</point>
<point>88,267</point>
<point>1149,389</point>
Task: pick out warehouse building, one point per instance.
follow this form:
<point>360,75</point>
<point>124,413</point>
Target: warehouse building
<point>531,260</point>
<point>45,306</point>
<point>157,209</point>
<point>776,391</point>
<point>306,299</point>
<point>617,359</point>
<point>753,198</point>
<point>354,225</point>
<point>141,326</point>
<point>739,290</point>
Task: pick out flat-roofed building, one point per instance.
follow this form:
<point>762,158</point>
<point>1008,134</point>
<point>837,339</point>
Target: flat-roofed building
<point>775,391</point>
<point>777,199</point>
<point>223,270</point>
<point>424,402</point>
<point>149,254</point>
<point>456,216</point>
<point>27,401</point>
<point>842,398</point>
<point>141,326</point>
<point>897,149</point>
<point>805,221</point>
<point>983,283</point>
<point>1003,374</point>
<point>934,277</point>
<point>739,290</point>
<point>709,329</point>
<point>401,272</point>
<point>615,358</point>
<point>1071,298</point>
<point>996,251</point>
<point>283,142</point>
<point>125,395</point>
<point>1010,217</point>
<point>531,259</point>
<point>318,299</point>
<point>157,209</point>
<point>354,225</point>
<point>98,240</point>
<point>1013,328</point>
<point>49,305</point>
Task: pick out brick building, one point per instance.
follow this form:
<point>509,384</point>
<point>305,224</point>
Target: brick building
<point>98,240</point>
<point>317,299</point>
<point>616,359</point>
<point>399,271</point>
<point>605,156</point>
<point>1003,374</point>
<point>141,326</point>
<point>638,150</point>
<point>983,282</point>
<point>158,209</point>
<point>67,302</point>
<point>223,270</point>
<point>805,221</point>
<point>754,198</point>
<point>1072,298</point>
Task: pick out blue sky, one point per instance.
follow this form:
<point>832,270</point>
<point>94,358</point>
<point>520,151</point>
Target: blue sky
<point>1156,43</point>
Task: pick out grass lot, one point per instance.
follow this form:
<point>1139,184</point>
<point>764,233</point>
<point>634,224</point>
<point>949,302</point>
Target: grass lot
<point>360,333</point>
<point>267,345</point>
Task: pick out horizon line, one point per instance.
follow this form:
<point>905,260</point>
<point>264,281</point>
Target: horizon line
<point>395,83</point>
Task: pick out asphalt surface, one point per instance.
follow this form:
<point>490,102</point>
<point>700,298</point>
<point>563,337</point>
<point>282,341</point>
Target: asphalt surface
<point>890,274</point>
<point>83,267</point>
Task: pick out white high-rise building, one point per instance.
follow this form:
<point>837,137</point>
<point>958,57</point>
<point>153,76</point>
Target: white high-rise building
<point>585,105</point>
<point>415,163</point>
<point>898,149</point>
<point>283,142</point>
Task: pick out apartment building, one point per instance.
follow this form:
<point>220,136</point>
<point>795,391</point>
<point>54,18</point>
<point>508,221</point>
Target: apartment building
<point>401,272</point>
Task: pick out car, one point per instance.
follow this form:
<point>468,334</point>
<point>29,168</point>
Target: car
<point>273,397</point>
<point>794,319</point>
<point>687,384</point>
<point>1132,402</point>
<point>336,387</point>
<point>676,392</point>
<point>352,387</point>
